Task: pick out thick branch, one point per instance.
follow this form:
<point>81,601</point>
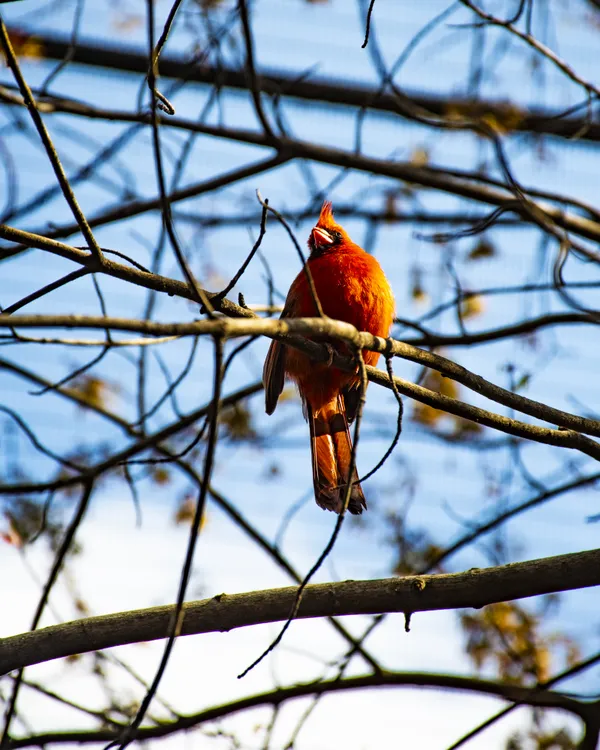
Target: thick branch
<point>154,281</point>
<point>326,327</point>
<point>345,93</point>
<point>174,287</point>
<point>516,694</point>
<point>474,588</point>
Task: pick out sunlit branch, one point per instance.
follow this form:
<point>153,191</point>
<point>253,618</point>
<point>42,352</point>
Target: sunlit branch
<point>409,594</point>
<point>326,327</point>
<point>228,508</point>
<point>61,176</point>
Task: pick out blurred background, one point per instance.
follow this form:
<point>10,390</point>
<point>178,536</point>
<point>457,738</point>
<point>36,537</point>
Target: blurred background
<point>355,119</point>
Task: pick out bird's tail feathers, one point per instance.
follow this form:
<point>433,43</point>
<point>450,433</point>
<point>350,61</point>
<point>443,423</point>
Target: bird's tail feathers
<point>331,448</point>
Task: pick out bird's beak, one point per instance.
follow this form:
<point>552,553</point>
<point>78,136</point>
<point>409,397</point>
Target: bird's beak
<point>321,237</point>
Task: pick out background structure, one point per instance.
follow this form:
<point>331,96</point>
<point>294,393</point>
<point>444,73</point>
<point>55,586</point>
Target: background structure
<point>458,143</point>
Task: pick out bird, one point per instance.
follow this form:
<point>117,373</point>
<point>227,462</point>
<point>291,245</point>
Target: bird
<point>352,287</point>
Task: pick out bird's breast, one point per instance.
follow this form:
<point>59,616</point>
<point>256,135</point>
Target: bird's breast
<point>352,287</point>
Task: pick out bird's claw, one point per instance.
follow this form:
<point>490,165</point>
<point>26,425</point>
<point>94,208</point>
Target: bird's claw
<point>330,355</point>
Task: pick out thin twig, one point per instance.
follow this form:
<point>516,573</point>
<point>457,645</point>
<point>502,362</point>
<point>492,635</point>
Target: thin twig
<point>46,290</point>
<point>177,618</point>
<point>57,565</point>
<point>570,672</point>
<point>251,70</point>
<point>368,24</point>
<point>251,254</point>
<point>338,524</point>
<point>398,433</point>
<point>13,64</point>
<point>164,200</point>
<point>536,45</point>
<point>309,277</point>
<point>164,104</point>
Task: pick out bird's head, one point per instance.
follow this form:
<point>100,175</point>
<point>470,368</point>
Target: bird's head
<point>327,234</point>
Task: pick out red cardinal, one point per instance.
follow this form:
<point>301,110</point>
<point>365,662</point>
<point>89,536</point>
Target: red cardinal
<point>351,287</point>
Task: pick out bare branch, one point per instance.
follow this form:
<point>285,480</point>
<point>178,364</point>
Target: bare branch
<point>59,559</point>
<point>48,145</point>
<point>474,588</point>
<point>277,697</point>
<point>177,615</point>
<point>326,92</point>
<point>229,509</point>
<point>534,44</point>
<point>337,329</point>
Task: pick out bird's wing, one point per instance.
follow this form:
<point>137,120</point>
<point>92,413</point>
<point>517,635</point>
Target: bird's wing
<point>351,394</point>
<point>274,368</point>
<point>274,375</point>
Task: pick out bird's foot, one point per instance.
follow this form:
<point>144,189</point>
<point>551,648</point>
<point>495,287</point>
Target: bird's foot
<point>330,355</point>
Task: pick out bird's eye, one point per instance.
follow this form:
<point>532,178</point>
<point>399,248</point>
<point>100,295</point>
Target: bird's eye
<point>336,234</point>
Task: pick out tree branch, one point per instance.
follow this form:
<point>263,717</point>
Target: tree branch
<point>59,171</point>
<point>137,207</point>
<point>475,588</point>
<point>522,328</point>
<point>456,182</point>
<point>519,695</point>
<point>323,91</point>
<point>327,327</point>
<point>535,44</point>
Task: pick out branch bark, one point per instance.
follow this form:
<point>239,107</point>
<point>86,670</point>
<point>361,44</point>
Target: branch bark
<point>572,424</point>
<point>517,694</point>
<point>474,588</point>
<point>327,92</point>
<point>228,508</point>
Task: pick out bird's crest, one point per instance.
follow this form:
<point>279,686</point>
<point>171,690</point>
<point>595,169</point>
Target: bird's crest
<point>326,216</point>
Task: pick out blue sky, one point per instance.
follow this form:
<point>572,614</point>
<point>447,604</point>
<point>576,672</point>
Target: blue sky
<point>452,482</point>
